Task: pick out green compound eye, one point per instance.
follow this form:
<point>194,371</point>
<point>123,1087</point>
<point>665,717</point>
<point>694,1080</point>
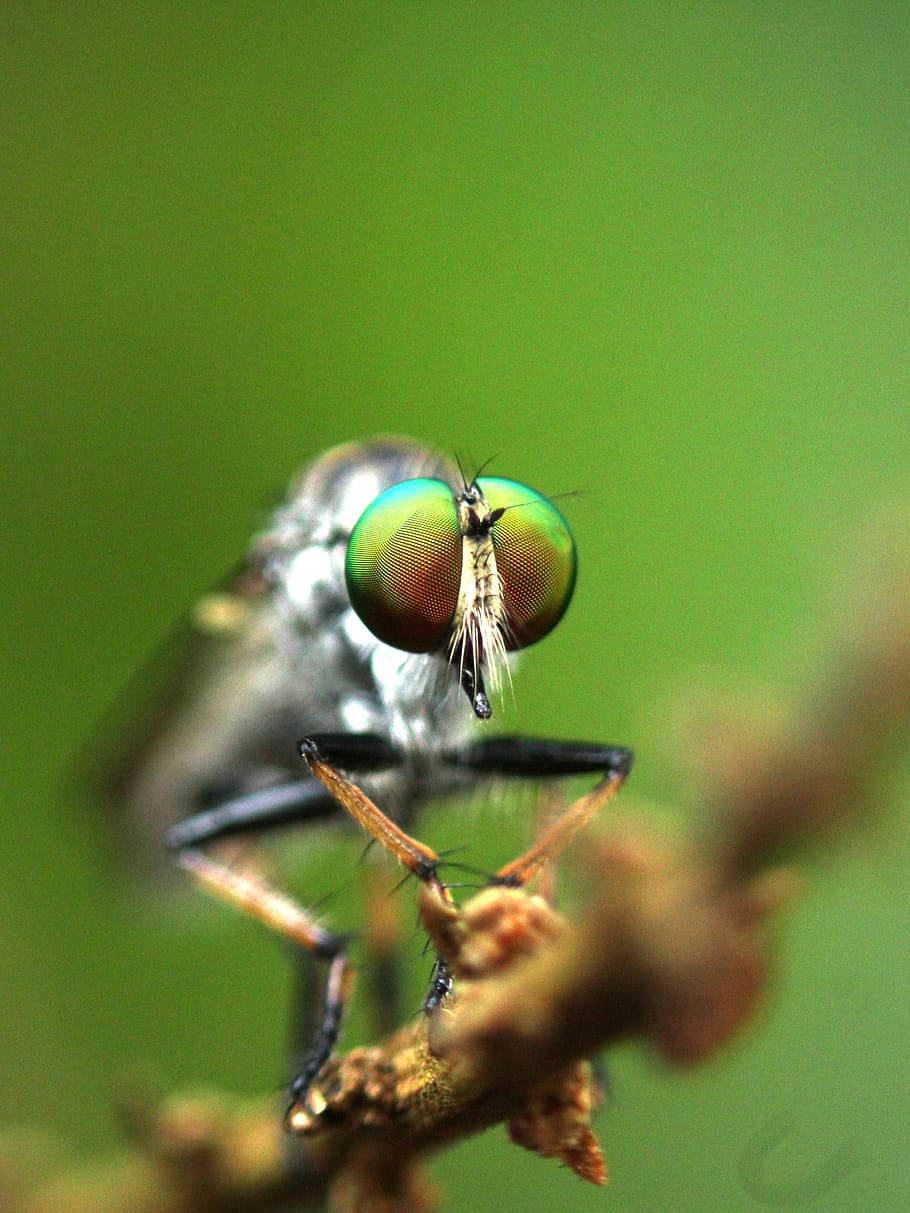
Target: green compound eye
<point>403,565</point>
<point>535,556</point>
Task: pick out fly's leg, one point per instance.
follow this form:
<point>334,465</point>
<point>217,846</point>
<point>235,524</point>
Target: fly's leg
<point>556,837</point>
<point>282,804</point>
<point>523,756</point>
<point>527,757</point>
<point>419,859</point>
<point>270,808</point>
<point>266,808</point>
<point>538,757</point>
<point>551,842</point>
<point>534,756</point>
<point>440,987</point>
<point>301,800</point>
<point>282,914</point>
<point>257,899</point>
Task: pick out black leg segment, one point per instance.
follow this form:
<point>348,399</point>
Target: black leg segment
<point>360,752</point>
<point>267,808</point>
<point>329,1028</point>
<point>440,987</point>
<point>538,757</point>
<point>283,804</point>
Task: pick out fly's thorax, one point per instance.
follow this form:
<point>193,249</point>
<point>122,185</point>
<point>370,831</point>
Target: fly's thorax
<point>333,492</point>
<point>421,704</point>
<point>302,551</point>
<point>310,584</point>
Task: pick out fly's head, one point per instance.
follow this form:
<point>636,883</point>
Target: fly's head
<point>472,572</point>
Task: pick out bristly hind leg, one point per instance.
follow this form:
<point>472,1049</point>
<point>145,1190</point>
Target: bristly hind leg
<point>283,915</point>
<point>272,807</point>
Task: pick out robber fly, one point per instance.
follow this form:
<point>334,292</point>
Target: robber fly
<point>383,596</point>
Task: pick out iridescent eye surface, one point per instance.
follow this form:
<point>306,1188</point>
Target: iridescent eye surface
<point>535,556</point>
<point>403,565</point>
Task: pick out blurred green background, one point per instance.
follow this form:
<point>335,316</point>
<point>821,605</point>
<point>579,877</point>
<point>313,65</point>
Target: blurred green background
<point>656,252</point>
